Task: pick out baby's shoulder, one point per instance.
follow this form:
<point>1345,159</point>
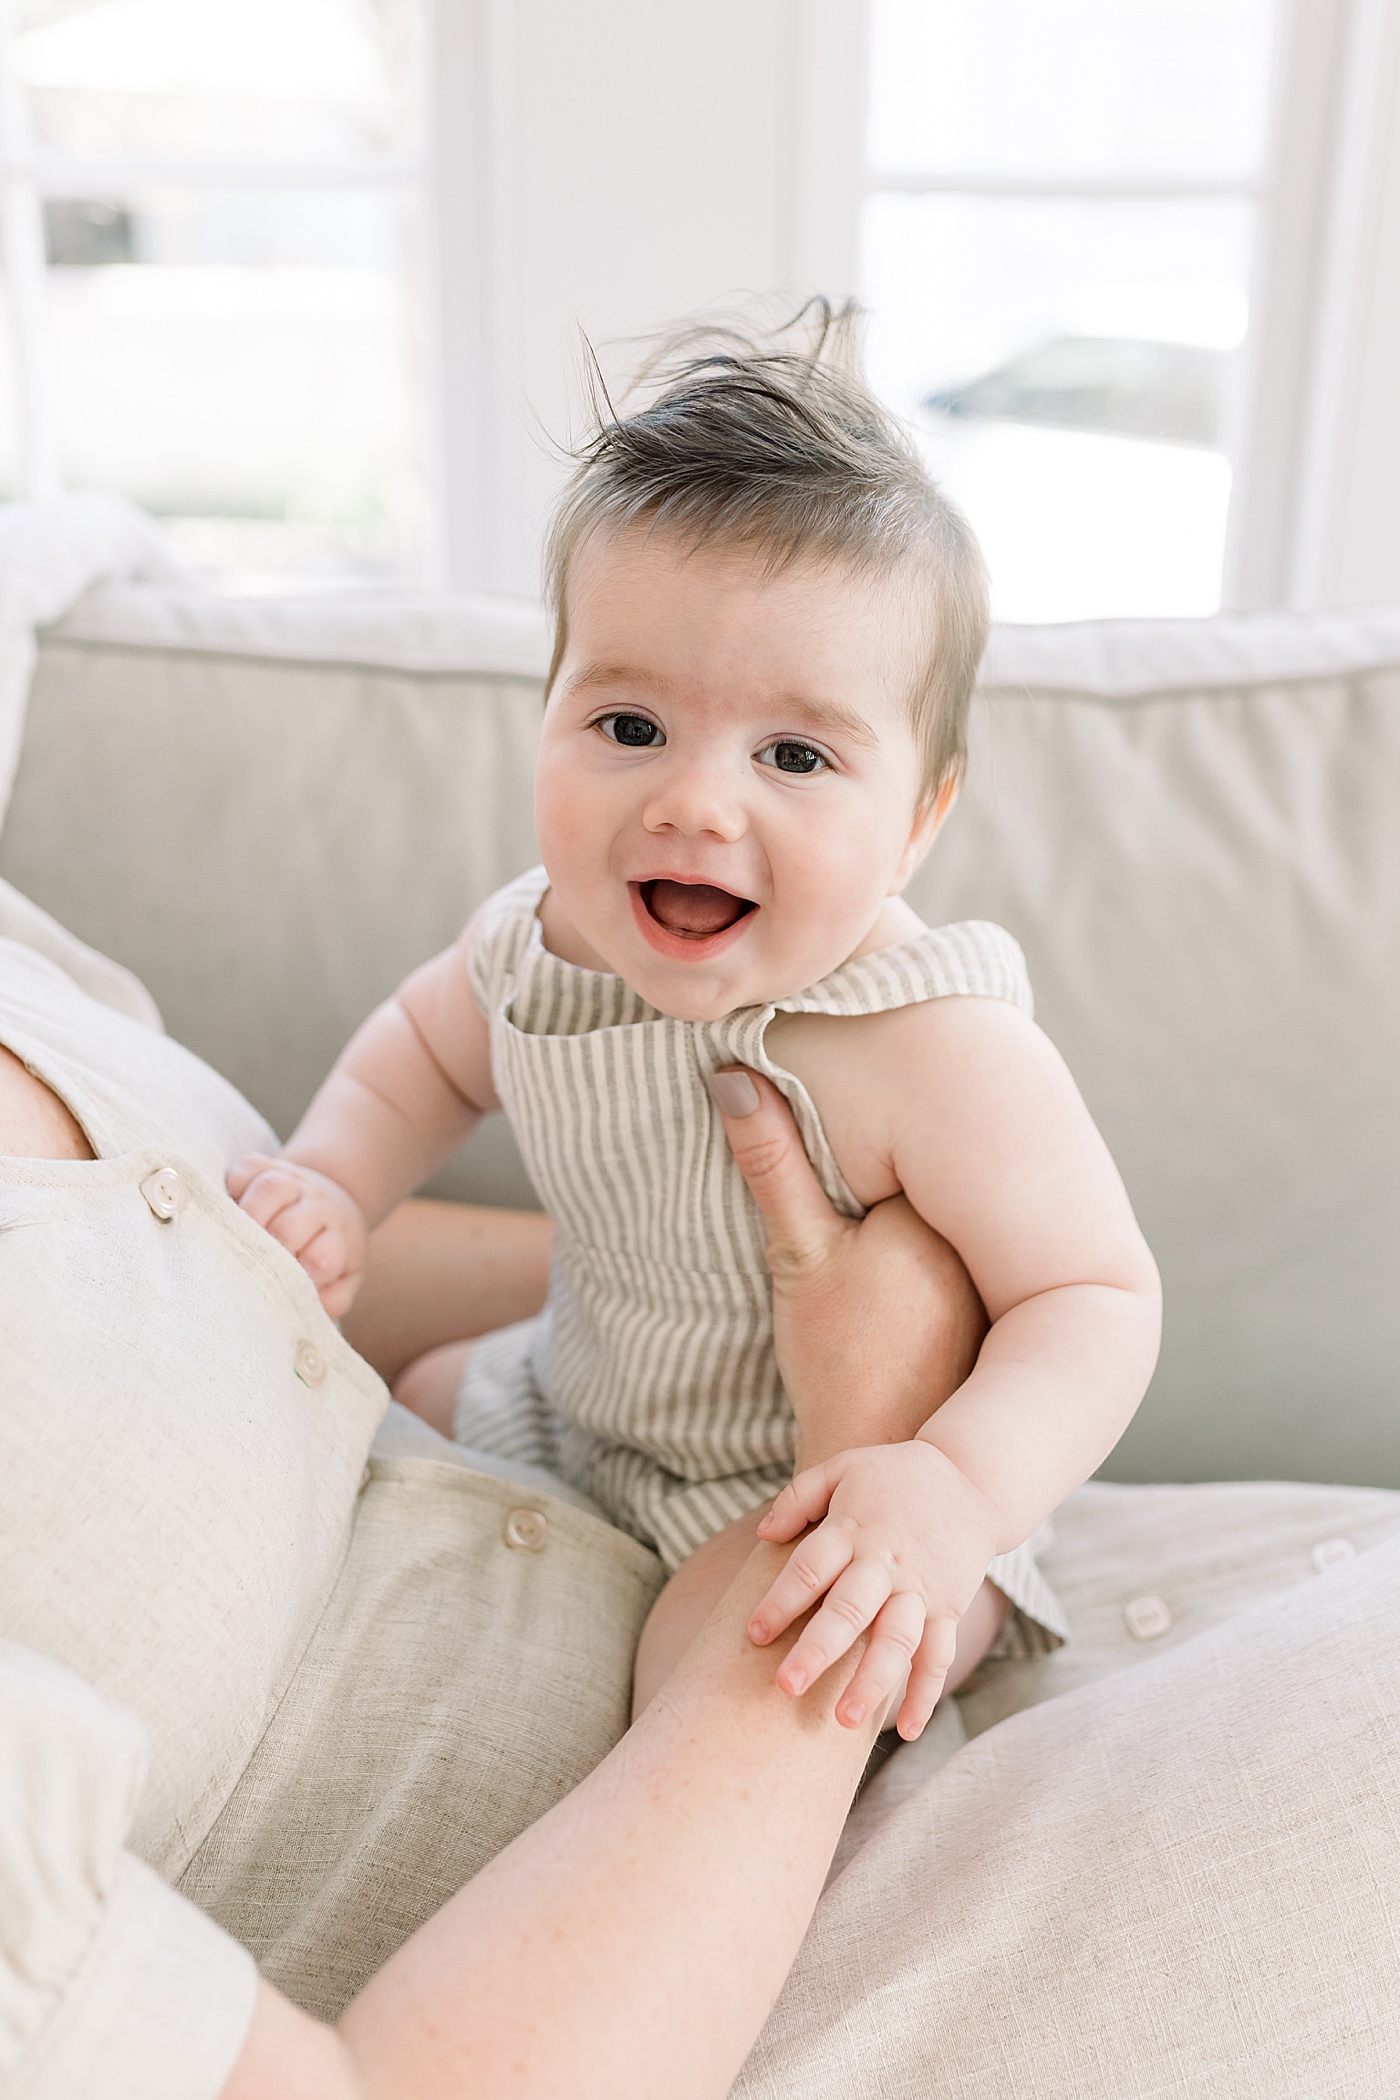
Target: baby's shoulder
<point>498,933</point>
<point>880,1074</point>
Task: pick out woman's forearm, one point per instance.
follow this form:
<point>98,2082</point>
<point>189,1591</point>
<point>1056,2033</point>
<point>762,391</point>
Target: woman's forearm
<point>633,1940</point>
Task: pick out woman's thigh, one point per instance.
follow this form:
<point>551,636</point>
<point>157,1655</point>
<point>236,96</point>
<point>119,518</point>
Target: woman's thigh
<point>473,1665</point>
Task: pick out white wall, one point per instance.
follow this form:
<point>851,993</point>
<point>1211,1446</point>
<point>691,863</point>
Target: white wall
<point>609,166</point>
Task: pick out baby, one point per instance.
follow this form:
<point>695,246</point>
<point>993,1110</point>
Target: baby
<point>768,624</point>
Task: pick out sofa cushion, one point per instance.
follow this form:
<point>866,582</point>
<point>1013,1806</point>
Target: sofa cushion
<point>1193,829</point>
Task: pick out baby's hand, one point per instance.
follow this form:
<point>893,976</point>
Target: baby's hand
<point>903,1548</point>
<point>310,1215</point>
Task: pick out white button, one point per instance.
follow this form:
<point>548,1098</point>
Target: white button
<point>1146,1617</point>
<point>310,1364</point>
<point>1331,1553</point>
<point>526,1528</point>
<point>165,1192</point>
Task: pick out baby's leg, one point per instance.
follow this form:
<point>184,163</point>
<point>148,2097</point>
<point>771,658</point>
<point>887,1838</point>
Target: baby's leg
<point>442,1272</point>
<point>430,1385</point>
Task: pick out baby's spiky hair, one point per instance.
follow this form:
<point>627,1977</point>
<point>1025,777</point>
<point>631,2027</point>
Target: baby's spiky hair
<point>774,443</point>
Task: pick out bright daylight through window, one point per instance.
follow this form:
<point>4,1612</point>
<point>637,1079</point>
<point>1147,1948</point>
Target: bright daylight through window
<point>1056,248</point>
<point>219,312</point>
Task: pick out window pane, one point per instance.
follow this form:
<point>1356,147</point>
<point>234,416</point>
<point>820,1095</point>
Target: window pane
<point>249,375</point>
<point>285,80</point>
<point>1070,366</point>
<point>1070,87</point>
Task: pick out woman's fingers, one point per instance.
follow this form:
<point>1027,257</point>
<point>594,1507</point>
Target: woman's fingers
<point>813,1568</point>
<point>800,1221</point>
<point>850,1605</point>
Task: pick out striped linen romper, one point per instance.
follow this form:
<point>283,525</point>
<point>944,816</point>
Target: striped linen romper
<point>650,1379</point>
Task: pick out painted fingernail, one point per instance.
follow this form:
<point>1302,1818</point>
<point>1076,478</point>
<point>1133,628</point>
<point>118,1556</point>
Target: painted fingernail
<point>733,1093</point>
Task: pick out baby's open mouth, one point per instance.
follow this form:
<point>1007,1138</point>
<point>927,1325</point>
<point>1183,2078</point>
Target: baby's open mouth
<point>693,910</point>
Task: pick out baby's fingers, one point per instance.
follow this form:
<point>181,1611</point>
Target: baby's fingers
<point>851,1604</point>
<point>271,1191</point>
<point>803,1501</point>
<point>928,1676</point>
<point>245,1170</point>
<point>812,1568</point>
<point>895,1637</point>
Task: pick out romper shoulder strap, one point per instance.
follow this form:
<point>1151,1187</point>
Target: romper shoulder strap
<point>973,959</point>
<point>503,933</point>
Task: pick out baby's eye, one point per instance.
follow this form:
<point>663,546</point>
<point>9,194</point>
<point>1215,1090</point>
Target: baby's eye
<point>633,732</point>
<point>789,757</point>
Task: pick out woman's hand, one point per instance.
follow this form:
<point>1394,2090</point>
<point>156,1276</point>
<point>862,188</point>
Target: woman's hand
<point>875,1322</point>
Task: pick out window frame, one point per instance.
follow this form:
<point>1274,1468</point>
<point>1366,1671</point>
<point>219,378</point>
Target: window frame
<point>30,175</point>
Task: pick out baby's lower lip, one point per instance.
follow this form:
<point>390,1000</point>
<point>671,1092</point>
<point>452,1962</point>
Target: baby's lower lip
<point>688,921</point>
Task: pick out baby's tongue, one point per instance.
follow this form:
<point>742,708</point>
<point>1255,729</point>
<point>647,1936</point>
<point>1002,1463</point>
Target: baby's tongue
<point>692,907</point>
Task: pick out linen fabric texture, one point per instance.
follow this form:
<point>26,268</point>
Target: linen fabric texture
<point>650,1379</point>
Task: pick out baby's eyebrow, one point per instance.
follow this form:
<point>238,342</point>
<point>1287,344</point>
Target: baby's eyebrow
<point>831,714</point>
<point>594,675</point>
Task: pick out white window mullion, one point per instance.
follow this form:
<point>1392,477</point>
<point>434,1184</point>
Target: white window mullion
<point>25,268</point>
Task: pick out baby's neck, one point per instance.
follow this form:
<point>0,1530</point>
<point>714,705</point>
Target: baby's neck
<point>895,921</point>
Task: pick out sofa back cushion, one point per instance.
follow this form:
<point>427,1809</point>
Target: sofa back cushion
<point>270,812</point>
<point>1194,831</point>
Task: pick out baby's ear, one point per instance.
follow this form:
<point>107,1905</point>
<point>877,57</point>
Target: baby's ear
<point>928,822</point>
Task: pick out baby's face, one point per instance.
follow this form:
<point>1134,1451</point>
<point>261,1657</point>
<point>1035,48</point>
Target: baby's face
<point>725,795</point>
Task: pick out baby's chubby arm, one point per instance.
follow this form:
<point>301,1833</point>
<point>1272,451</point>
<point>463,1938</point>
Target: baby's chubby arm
<point>408,1090</point>
<point>964,1105</point>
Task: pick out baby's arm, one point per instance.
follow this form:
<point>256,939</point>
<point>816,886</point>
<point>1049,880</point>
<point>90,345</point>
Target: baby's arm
<point>405,1093</point>
<point>967,1107</point>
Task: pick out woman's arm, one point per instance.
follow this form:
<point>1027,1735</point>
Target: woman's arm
<point>632,1941</point>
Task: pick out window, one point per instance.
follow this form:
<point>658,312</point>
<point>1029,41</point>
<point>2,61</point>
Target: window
<point>214,214</point>
<point>1057,239</point>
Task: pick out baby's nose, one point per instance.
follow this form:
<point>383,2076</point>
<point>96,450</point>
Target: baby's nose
<point>695,799</point>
